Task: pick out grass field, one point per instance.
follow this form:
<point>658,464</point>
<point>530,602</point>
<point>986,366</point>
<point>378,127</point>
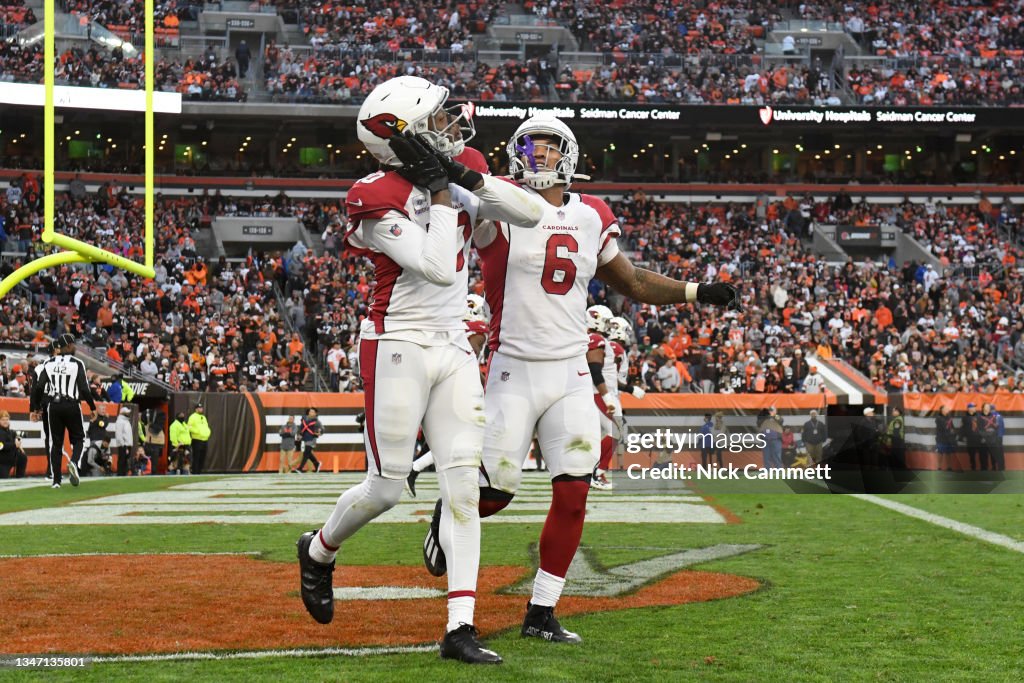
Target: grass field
<point>845,589</point>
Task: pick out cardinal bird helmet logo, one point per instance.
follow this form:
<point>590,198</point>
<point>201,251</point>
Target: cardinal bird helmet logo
<point>384,125</point>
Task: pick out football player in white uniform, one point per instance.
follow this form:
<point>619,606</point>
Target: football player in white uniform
<point>619,333</point>
<point>536,285</point>
<point>601,360</point>
<point>416,363</point>
<point>476,331</point>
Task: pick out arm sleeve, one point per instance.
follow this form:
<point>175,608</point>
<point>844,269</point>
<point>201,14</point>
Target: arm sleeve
<point>36,400</point>
<point>428,253</point>
<point>503,200</point>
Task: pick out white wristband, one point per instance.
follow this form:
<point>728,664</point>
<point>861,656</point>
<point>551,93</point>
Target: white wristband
<point>691,291</point>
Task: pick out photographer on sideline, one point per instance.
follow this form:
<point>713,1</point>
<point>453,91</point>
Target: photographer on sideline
<point>11,453</point>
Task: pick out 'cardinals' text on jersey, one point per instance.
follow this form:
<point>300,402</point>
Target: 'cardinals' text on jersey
<point>536,279</point>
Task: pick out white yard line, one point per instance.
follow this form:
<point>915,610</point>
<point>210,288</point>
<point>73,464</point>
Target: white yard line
<point>266,654</point>
<point>945,522</point>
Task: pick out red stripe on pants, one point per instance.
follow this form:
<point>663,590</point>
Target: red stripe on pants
<point>368,369</point>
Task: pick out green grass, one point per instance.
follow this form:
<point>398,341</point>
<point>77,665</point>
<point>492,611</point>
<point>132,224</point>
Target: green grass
<point>851,591</point>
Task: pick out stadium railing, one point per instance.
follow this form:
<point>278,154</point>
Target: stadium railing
<point>311,361</point>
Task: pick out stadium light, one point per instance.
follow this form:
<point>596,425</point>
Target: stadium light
<point>775,151</point>
<point>249,137</point>
<point>836,146</point>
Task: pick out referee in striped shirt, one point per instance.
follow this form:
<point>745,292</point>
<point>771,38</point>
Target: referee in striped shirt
<point>64,383</point>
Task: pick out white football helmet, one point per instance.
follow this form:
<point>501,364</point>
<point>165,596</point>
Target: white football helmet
<point>619,330</point>
<point>597,319</point>
<point>409,103</point>
<point>476,308</point>
<point>522,162</point>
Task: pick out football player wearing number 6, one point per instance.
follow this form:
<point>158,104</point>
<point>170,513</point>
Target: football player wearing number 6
<point>416,363</point>
<point>536,286</point>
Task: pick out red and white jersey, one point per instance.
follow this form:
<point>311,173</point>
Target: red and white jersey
<point>621,363</point>
<point>609,370</point>
<point>475,327</point>
<point>473,159</point>
<point>380,208</point>
<point>536,279</point>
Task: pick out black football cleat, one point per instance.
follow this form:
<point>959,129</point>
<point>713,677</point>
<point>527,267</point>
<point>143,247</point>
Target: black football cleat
<point>410,482</point>
<point>433,556</point>
<point>463,645</point>
<point>540,622</point>
<point>316,580</point>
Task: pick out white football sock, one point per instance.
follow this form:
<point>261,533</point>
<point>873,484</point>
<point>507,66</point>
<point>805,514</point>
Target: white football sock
<point>547,588</point>
<point>423,462</point>
<point>355,508</point>
<point>460,540</point>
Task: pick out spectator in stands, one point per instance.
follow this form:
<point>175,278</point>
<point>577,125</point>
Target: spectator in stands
<point>243,55</point>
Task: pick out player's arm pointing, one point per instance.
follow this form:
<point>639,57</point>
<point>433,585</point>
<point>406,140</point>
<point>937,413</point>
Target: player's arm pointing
<point>651,288</point>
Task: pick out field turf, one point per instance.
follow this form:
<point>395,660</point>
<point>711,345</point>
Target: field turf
<point>849,591</point>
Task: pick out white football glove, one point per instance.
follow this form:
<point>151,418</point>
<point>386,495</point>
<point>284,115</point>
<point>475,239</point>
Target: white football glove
<point>638,392</point>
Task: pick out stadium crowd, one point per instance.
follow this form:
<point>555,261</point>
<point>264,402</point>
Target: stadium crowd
<point>953,52</point>
<point>395,25</point>
<point>218,326</point>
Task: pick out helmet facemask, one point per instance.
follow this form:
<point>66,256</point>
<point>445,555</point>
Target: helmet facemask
<point>523,164</point>
<point>450,139</point>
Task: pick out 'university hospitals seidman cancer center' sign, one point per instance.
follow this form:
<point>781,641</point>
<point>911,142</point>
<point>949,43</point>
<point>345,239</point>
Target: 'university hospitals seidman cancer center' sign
<point>725,116</point>
<point>769,115</point>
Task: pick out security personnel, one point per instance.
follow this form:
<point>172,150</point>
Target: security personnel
<point>181,442</point>
<point>199,428</point>
<point>63,380</point>
<point>40,413</point>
